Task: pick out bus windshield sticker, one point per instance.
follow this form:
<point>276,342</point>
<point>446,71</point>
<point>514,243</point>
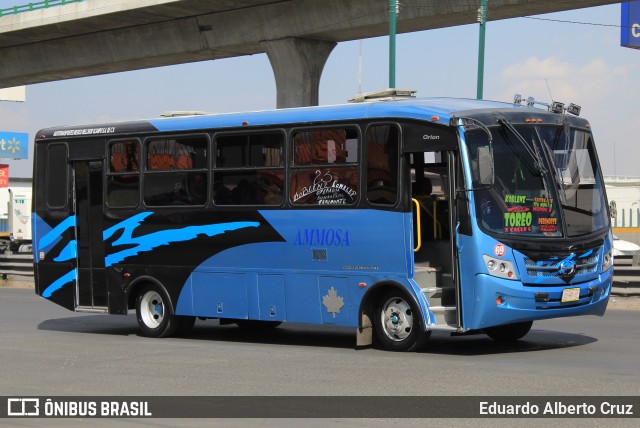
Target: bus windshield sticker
<point>543,204</point>
<point>549,224</point>
<point>515,199</point>
<point>517,219</point>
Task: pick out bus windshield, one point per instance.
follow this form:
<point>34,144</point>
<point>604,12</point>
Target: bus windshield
<point>547,182</point>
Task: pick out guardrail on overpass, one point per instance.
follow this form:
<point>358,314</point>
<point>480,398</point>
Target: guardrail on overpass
<point>45,4</point>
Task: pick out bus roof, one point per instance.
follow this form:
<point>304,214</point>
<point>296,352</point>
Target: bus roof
<point>419,108</point>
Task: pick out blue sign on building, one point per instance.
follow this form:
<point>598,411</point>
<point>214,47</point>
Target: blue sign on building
<point>630,24</point>
<point>14,145</point>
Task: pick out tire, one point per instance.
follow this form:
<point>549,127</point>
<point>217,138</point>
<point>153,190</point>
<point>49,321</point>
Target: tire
<point>398,323</point>
<point>257,325</point>
<point>154,312</point>
<point>509,332</point>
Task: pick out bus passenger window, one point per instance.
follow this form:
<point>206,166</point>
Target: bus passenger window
<point>382,164</point>
<point>325,168</point>
<point>176,171</point>
<point>177,154</point>
<point>125,156</point>
<point>249,169</point>
<point>123,176</point>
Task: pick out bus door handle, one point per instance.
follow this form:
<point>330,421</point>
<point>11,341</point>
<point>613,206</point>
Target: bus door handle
<point>418,225</point>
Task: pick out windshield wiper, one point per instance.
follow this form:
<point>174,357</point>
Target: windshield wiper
<point>552,159</point>
<point>533,152</point>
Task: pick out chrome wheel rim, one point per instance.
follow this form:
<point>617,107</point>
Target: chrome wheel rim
<point>152,309</point>
<point>397,319</point>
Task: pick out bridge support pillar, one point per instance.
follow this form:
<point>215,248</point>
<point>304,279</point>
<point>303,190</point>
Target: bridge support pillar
<point>297,65</point>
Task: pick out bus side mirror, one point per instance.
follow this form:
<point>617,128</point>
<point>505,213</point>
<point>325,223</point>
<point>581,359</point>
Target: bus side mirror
<point>613,210</point>
<point>485,166</point>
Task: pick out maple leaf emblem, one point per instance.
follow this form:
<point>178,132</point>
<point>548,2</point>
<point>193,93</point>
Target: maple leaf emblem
<point>333,302</point>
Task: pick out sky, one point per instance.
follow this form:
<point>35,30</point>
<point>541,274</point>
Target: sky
<point>576,63</point>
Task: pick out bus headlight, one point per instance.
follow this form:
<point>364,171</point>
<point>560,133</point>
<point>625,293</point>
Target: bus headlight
<point>500,268</point>
<point>607,262</point>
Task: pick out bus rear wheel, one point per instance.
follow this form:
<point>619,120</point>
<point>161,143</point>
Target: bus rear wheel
<point>154,314</point>
<point>398,326</point>
<point>509,332</point>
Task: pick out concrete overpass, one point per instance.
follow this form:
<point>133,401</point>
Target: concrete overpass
<point>107,36</point>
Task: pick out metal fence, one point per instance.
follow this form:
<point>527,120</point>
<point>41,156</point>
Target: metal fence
<point>44,4</point>
<point>627,217</point>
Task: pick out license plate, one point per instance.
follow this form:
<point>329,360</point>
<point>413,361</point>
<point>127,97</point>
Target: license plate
<point>570,294</point>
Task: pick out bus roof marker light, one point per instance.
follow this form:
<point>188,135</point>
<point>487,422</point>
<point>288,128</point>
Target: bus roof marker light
<point>245,123</point>
<point>362,284</point>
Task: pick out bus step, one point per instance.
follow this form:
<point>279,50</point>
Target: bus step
<point>433,295</point>
<point>93,309</point>
<point>440,296</point>
<point>446,315</point>
<point>447,280</point>
<point>427,276</point>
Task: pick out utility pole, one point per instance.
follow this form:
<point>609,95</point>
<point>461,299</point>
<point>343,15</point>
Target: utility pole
<point>393,12</point>
<point>482,19</point>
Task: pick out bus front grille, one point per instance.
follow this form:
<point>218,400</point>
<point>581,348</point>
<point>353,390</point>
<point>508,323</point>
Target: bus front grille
<point>553,267</point>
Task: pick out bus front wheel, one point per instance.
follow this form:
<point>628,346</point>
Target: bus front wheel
<point>509,332</point>
<point>397,324</point>
<point>154,315</point>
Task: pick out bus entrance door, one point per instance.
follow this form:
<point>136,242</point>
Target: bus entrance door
<point>433,176</point>
<point>91,291</point>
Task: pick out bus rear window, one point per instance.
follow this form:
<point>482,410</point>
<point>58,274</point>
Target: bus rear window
<point>57,176</point>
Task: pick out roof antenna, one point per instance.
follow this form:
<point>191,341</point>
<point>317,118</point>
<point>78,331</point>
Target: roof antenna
<point>548,89</point>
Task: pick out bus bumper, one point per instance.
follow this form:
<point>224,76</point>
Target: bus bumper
<point>499,301</point>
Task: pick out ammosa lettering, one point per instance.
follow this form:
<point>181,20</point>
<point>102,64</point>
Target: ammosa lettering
<point>323,237</point>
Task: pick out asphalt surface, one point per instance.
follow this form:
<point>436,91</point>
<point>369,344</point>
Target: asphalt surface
<point>47,350</point>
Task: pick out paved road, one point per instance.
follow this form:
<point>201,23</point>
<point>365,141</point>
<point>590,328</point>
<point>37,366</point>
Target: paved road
<point>46,350</point>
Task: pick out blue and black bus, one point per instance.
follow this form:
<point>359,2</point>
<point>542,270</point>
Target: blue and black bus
<point>397,218</point>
